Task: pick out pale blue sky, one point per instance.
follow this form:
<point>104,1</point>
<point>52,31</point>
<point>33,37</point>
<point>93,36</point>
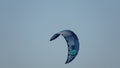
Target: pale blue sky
<point>27,25</point>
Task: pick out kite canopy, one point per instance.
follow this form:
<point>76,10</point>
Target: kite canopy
<point>72,42</point>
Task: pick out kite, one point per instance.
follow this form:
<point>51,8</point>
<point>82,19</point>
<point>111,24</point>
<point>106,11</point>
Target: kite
<point>72,42</point>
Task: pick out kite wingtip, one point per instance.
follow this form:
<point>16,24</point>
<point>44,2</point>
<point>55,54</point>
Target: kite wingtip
<point>50,40</point>
<point>54,36</point>
<point>66,62</point>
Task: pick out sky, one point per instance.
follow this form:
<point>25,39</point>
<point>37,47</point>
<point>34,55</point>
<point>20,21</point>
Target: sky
<point>26,27</point>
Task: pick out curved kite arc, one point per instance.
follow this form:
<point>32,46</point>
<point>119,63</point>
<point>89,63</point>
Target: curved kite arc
<point>72,42</point>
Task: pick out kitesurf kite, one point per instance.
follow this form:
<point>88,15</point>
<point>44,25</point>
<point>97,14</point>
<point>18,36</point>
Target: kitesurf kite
<point>72,42</point>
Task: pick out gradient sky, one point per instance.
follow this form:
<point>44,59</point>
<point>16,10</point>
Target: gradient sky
<point>27,25</point>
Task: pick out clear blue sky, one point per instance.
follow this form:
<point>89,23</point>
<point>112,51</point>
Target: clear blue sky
<point>27,25</point>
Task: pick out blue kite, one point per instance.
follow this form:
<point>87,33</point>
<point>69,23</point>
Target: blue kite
<point>72,42</point>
